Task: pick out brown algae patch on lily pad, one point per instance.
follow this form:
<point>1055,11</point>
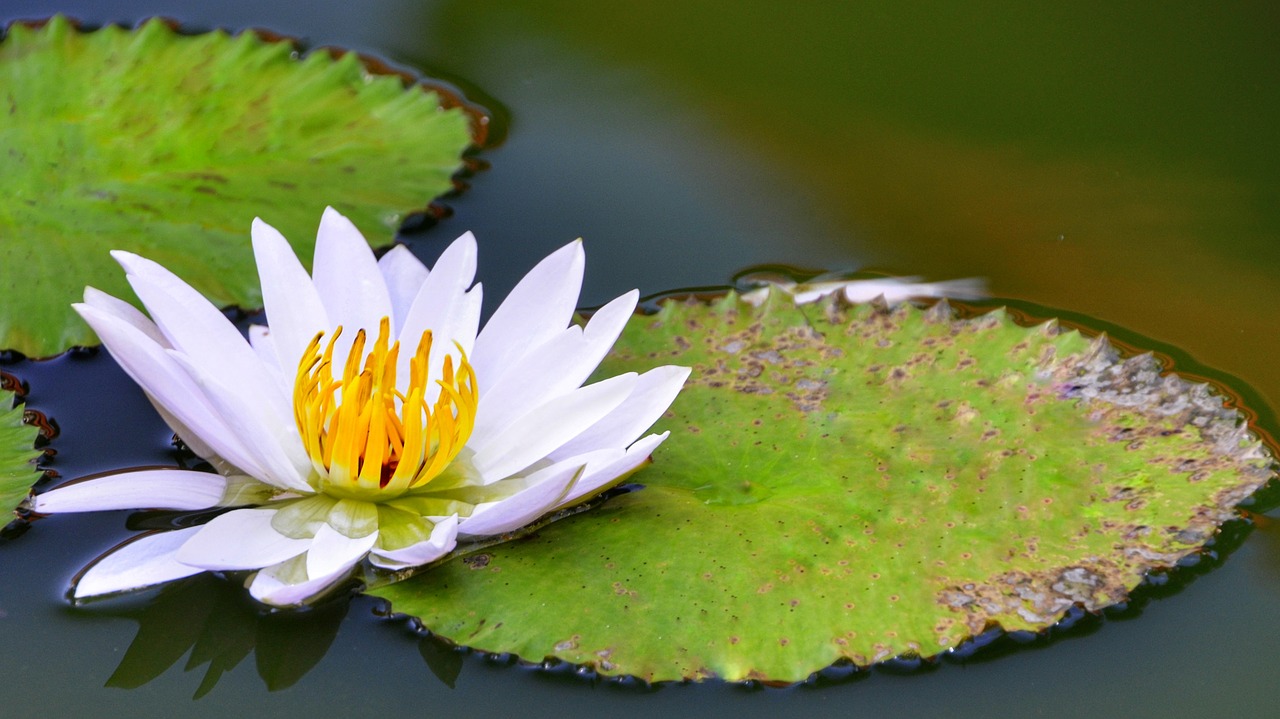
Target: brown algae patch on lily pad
<point>168,145</point>
<point>854,483</point>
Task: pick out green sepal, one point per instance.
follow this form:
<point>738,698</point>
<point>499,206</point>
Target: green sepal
<point>301,518</point>
<point>290,571</point>
<point>398,528</point>
<point>243,491</point>
<point>354,518</point>
<point>426,506</point>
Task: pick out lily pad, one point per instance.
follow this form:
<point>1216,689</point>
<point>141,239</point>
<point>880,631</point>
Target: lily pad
<point>168,145</point>
<point>854,483</point>
<point>17,456</point>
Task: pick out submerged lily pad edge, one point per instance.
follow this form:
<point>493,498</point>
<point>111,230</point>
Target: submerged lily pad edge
<point>1219,530</point>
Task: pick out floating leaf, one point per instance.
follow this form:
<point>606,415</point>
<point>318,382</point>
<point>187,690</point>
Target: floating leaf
<point>17,456</point>
<point>857,484</point>
<point>168,145</point>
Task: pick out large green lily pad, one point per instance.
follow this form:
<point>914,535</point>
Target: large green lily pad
<point>857,484</point>
<point>17,457</point>
<point>168,145</point>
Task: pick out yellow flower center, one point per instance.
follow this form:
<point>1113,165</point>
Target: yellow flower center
<point>366,438</point>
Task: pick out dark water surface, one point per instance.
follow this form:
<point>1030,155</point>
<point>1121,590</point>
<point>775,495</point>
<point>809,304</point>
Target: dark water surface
<point>1107,160</point>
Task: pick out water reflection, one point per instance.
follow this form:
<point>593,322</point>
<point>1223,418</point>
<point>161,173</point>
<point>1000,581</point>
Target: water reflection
<point>212,623</point>
<point>1264,514</point>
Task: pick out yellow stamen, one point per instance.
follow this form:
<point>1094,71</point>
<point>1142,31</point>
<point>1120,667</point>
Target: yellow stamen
<point>367,438</point>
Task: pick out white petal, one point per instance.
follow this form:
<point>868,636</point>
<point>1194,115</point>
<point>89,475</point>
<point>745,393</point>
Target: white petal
<point>332,550</point>
<point>756,297</point>
<point>143,489</point>
<point>196,329</point>
<point>815,292</point>
<point>404,275</point>
<point>891,288</point>
<point>557,366</point>
<point>143,562</point>
<point>654,392</point>
<point>241,539</point>
<point>444,306</point>
<point>168,384</point>
<point>899,290</point>
<point>275,445</point>
<point>452,274</point>
<point>545,489</point>
<point>192,439</point>
<point>264,345</point>
<point>456,329</point>
<point>549,426</point>
<point>608,321</point>
<point>540,305</point>
<point>347,279</point>
<point>294,310</point>
<point>444,537</point>
<point>538,379</point>
<point>268,588</point>
<point>124,311</point>
<point>600,472</point>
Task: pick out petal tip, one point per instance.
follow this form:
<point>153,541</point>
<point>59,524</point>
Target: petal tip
<point>125,258</point>
<point>467,240</point>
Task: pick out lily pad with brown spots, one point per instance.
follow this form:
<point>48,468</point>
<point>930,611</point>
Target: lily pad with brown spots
<point>168,145</point>
<point>857,483</point>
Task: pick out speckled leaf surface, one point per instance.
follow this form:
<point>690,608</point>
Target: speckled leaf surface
<point>853,483</point>
<point>169,145</point>
<point>17,456</point>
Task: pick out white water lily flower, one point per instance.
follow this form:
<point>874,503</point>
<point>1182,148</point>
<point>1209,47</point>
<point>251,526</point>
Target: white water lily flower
<point>370,419</point>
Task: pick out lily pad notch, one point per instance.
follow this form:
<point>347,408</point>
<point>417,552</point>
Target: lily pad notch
<point>167,145</point>
<point>853,484</point>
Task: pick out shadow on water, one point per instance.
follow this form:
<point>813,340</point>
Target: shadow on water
<point>216,626</point>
